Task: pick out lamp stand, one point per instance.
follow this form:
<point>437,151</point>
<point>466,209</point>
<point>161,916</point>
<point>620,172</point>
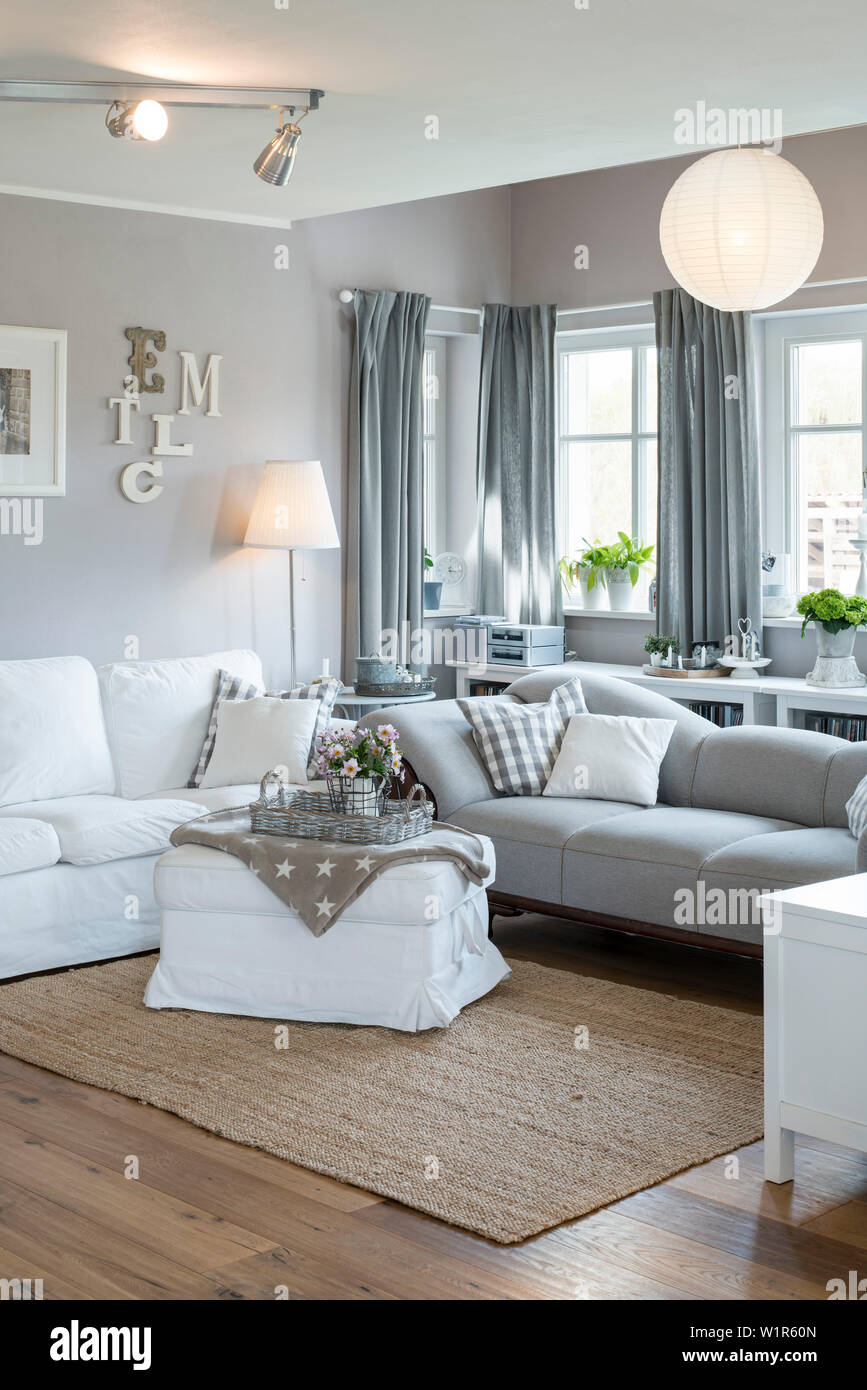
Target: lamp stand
<point>291,619</point>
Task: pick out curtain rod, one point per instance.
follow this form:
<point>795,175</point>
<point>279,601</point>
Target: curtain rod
<point>347,296</point>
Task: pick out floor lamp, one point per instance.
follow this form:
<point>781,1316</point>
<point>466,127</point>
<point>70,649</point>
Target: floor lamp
<point>292,512</point>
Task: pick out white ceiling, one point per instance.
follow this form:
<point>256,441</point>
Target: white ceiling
<point>522,89</point>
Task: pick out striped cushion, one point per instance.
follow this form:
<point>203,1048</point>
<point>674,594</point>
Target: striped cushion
<point>231,687</point>
<point>519,743</point>
<point>856,809</point>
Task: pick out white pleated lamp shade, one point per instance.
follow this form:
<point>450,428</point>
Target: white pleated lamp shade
<point>292,510</point>
<point>741,229</point>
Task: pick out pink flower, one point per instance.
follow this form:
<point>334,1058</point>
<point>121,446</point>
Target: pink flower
<point>351,767</point>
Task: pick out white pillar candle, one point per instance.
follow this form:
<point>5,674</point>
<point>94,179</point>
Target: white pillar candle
<point>326,666</point>
<point>670,655</point>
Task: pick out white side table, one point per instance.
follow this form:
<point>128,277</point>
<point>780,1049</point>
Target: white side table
<point>348,700</point>
<point>815,952</point>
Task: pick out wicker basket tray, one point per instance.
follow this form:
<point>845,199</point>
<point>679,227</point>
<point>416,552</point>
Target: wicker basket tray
<point>309,816</point>
<point>394,689</point>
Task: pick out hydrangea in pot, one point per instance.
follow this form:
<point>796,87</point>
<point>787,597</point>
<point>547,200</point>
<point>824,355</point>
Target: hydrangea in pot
<point>836,618</point>
<point>358,766</point>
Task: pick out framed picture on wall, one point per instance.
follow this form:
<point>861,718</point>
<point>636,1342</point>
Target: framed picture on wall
<point>32,412</point>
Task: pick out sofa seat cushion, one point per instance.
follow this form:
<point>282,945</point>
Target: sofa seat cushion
<point>530,833</point>
<point>98,829</point>
<point>221,798</point>
<point>634,866</point>
<point>774,862</point>
<point>27,844</point>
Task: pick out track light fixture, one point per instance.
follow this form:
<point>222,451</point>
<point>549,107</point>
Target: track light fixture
<point>143,120</point>
<point>137,111</point>
<point>276,162</point>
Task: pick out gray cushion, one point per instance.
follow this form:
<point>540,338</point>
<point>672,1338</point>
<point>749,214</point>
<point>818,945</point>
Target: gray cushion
<point>765,772</point>
<point>529,835</point>
<point>607,695</point>
<point>632,866</point>
<point>768,863</point>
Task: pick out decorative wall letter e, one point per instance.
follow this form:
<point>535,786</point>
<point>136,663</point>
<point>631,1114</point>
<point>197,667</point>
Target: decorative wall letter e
<point>141,360</point>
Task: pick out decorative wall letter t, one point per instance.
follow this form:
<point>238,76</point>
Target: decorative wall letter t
<point>141,360</point>
<point>125,404</point>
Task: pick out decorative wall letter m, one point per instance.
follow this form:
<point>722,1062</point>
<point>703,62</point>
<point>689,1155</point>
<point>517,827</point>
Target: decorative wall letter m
<point>141,360</point>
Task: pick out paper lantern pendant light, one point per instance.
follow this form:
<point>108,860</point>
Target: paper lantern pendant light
<point>741,229</point>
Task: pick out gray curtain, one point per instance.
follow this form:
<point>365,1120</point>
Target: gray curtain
<point>709,547</point>
<point>517,534</point>
<point>385,520</point>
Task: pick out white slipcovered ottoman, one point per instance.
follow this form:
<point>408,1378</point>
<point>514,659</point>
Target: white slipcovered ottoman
<point>409,953</point>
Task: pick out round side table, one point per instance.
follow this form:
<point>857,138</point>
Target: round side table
<point>347,700</point>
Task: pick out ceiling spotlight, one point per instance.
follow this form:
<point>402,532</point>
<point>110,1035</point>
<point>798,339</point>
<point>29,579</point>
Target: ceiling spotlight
<point>143,120</point>
<point>277,160</point>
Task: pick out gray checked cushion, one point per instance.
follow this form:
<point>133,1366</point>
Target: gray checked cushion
<point>856,809</point>
<point>231,687</point>
<point>519,743</point>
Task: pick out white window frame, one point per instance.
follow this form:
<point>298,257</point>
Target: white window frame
<point>593,340</point>
<point>435,498</point>
<point>783,520</point>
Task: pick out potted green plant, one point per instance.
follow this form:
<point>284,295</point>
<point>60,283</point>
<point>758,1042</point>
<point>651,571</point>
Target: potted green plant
<point>589,570</point>
<point>433,589</point>
<point>836,619</point>
<point>657,646</point>
<point>628,557</point>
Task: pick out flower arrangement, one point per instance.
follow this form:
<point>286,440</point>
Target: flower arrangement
<point>832,610</point>
<point>359,753</point>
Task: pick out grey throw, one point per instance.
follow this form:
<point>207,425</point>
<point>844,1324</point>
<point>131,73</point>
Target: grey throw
<point>709,548</point>
<point>318,879</point>
<point>517,489</point>
<point>385,506</point>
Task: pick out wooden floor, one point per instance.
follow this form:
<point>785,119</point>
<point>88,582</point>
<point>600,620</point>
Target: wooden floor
<point>207,1219</point>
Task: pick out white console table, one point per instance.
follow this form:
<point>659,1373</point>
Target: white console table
<point>815,965</point>
<point>768,700</point>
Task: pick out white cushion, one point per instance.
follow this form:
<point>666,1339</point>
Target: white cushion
<point>157,712</point>
<point>97,829</point>
<point>52,733</point>
<point>256,735</point>
<point>27,844</point>
<point>611,757</point>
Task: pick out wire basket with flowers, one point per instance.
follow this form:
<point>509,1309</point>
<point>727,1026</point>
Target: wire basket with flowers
<point>358,766</point>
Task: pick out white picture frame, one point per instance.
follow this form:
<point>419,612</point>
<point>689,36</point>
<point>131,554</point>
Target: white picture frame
<point>32,412</point>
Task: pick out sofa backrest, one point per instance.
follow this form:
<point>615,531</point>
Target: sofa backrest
<point>607,695</point>
<point>157,714</point>
<point>52,733</point>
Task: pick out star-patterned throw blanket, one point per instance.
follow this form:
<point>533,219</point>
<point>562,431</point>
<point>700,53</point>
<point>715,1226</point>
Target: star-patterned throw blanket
<point>318,879</point>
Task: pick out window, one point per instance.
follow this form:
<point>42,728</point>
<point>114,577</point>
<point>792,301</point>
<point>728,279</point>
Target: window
<point>607,436</point>
<point>815,446</point>
<point>434,443</point>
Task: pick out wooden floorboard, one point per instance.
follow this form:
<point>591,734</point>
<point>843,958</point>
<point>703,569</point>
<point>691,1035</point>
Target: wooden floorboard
<point>209,1219</point>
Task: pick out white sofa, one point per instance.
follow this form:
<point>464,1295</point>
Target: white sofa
<point>93,773</point>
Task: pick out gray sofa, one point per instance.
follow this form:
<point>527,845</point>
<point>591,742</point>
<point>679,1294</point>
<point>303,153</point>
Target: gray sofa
<point>743,810</point>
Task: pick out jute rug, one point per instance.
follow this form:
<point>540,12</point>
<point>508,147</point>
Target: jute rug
<point>508,1122</point>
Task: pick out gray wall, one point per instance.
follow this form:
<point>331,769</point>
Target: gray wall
<point>173,573</point>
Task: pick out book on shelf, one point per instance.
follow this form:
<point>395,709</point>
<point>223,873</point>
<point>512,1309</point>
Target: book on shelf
<point>487,687</point>
<point>724,716</point>
<point>851,727</point>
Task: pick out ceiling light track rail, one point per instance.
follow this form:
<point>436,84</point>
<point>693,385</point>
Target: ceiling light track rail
<point>167,93</point>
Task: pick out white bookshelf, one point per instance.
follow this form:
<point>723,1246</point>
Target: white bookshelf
<point>768,700</point>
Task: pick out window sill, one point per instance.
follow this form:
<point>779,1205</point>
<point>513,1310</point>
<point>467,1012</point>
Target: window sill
<point>636,614</point>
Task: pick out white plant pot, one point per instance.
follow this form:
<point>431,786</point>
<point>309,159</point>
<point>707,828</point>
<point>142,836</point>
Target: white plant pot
<point>655,658</point>
<point>835,664</point>
<point>594,598</point>
<point>621,593</point>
